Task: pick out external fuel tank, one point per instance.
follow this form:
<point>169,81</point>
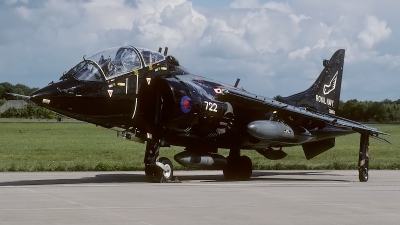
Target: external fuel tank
<point>278,132</point>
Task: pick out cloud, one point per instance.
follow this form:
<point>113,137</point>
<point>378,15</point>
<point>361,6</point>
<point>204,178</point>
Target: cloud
<point>283,7</point>
<point>10,2</point>
<point>374,32</point>
<point>298,18</point>
<point>244,4</point>
<point>252,4</point>
<point>301,53</point>
<point>269,45</point>
<point>25,13</point>
<point>225,44</point>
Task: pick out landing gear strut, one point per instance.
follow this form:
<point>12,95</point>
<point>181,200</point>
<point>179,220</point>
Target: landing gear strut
<point>157,169</point>
<point>363,158</point>
<point>237,167</point>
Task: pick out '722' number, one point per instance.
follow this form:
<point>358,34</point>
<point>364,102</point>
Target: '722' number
<point>211,106</point>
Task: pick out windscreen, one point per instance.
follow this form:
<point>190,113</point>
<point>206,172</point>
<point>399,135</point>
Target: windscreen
<point>86,71</point>
<point>150,57</point>
<point>89,72</point>
<point>117,61</point>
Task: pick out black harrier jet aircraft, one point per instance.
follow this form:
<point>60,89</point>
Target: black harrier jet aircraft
<point>147,96</point>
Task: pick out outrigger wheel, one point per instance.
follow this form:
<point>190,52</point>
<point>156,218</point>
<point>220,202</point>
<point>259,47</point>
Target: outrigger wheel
<point>363,158</point>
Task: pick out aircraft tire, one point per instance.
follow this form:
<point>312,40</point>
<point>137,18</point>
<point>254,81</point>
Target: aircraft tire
<point>245,168</point>
<point>166,176</point>
<point>148,170</point>
<point>363,174</point>
<point>229,170</point>
<point>239,169</point>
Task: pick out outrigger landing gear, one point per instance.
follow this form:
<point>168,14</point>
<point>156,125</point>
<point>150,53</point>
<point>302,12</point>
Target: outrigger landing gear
<point>237,167</point>
<point>157,169</point>
<point>363,158</point>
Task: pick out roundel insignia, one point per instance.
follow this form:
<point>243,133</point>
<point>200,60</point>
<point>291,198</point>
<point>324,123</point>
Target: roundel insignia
<point>185,104</point>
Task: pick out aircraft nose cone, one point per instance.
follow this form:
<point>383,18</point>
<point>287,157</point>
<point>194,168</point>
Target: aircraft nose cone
<point>43,97</point>
<point>36,97</point>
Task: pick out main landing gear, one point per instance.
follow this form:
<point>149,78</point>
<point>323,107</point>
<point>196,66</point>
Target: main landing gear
<point>237,167</point>
<point>363,158</point>
<point>157,169</point>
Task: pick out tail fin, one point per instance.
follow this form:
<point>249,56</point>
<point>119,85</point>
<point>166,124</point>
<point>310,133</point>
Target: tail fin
<point>324,94</point>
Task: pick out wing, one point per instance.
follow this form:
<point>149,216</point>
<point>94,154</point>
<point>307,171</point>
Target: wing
<point>256,102</point>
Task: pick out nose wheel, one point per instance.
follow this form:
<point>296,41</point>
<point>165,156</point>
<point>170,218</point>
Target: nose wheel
<point>158,170</point>
<point>161,171</point>
<point>166,171</point>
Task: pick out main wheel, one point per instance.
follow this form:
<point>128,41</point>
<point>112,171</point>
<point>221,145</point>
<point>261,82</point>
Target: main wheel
<point>239,168</point>
<point>363,174</point>
<point>229,170</point>
<point>245,168</point>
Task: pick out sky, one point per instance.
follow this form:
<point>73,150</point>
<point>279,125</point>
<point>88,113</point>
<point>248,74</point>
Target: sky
<point>274,47</point>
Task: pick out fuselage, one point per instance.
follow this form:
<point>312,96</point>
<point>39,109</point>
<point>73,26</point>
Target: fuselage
<point>140,91</point>
<point>148,97</point>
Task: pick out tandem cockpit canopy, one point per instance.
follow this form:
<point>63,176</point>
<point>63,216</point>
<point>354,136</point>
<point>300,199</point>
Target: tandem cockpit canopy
<point>113,62</point>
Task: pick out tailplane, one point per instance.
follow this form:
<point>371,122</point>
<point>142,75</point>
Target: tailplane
<point>324,94</point>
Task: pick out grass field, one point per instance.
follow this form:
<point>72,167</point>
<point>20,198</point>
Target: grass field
<point>44,146</point>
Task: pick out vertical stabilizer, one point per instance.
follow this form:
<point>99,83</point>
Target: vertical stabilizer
<point>324,94</point>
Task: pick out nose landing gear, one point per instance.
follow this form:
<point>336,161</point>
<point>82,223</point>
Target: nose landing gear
<point>158,170</point>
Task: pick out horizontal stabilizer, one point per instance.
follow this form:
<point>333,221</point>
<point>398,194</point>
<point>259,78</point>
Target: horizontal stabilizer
<point>312,149</point>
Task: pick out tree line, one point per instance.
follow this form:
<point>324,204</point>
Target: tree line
<point>30,111</point>
<point>16,89</point>
<point>365,111</point>
<point>362,111</point>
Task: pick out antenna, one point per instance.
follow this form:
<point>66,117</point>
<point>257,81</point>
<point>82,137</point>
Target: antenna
<point>237,82</point>
<point>159,49</point>
<point>165,51</point>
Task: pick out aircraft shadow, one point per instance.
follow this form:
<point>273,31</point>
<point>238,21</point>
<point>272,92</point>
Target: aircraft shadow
<point>141,178</point>
<point>310,176</point>
<point>98,179</point>
<point>270,176</point>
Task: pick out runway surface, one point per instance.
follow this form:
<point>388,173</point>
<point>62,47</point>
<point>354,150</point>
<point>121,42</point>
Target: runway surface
<point>203,197</point>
